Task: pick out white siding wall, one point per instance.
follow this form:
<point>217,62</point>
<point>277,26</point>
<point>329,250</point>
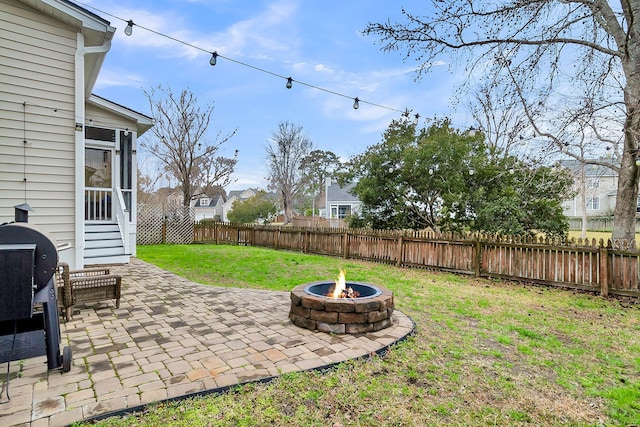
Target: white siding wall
<point>606,186</point>
<point>106,119</point>
<point>37,68</point>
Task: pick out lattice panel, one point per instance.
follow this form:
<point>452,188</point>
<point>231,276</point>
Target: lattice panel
<point>149,227</point>
<point>178,222</point>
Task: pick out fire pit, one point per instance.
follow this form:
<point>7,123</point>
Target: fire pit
<point>341,307</point>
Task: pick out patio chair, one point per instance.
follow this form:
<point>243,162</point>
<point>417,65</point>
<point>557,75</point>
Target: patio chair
<point>86,285</point>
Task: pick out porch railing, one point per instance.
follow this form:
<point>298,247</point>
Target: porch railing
<point>122,217</point>
<point>98,204</point>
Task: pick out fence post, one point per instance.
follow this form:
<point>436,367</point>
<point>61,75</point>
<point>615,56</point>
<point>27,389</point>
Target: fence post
<point>164,231</point>
<point>604,271</point>
<point>216,233</point>
<point>277,237</point>
<point>399,256</point>
<point>478,257</point>
<point>305,243</point>
<point>345,245</point>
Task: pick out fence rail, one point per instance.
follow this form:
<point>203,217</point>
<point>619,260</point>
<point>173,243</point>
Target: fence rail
<point>597,224</point>
<point>587,265</point>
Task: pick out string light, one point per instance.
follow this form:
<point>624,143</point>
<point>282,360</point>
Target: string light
<point>214,56</point>
<point>129,29</point>
<point>289,82</point>
<point>65,114</point>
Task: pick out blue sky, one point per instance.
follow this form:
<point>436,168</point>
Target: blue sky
<point>316,42</point>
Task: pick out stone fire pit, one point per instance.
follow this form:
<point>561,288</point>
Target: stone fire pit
<point>370,311</point>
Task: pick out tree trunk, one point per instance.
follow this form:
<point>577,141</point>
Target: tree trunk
<point>583,200</point>
<point>286,204</point>
<point>624,218</point>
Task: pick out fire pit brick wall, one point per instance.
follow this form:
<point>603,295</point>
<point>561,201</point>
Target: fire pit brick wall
<point>343,315</point>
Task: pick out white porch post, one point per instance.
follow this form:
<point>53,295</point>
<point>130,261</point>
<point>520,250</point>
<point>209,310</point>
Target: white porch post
<point>80,99</point>
<point>79,154</point>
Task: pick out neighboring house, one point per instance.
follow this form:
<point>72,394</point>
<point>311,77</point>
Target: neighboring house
<point>599,184</point>
<point>232,196</point>
<point>67,153</point>
<point>168,196</point>
<point>208,207</point>
<point>339,202</point>
<point>243,195</point>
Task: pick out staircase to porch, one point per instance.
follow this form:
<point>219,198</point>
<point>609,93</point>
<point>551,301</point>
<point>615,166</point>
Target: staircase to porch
<point>103,245</point>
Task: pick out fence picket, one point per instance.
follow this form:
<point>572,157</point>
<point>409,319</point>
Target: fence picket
<point>582,264</point>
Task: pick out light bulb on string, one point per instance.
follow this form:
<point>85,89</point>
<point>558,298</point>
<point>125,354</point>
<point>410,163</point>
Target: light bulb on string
<point>129,28</point>
<point>289,82</point>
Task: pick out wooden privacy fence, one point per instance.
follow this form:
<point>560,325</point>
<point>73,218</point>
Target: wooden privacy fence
<point>586,265</point>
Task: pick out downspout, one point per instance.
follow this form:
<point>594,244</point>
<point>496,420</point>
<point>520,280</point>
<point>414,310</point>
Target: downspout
<point>79,140</point>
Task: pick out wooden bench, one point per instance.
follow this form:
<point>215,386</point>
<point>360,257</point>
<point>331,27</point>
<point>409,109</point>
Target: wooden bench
<point>84,286</point>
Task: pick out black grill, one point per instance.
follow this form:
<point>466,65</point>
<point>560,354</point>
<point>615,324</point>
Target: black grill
<point>29,321</point>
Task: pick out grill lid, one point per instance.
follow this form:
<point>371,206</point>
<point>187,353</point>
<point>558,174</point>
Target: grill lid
<point>46,256</point>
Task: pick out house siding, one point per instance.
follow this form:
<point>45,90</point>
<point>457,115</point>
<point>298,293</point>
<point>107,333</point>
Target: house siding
<point>32,86</point>
<point>107,119</point>
<point>605,191</point>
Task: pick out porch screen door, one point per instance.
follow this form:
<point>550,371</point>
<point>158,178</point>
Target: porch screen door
<point>98,184</point>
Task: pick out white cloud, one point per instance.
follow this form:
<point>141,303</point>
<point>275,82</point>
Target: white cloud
<point>323,69</point>
<point>258,36</point>
<point>119,77</point>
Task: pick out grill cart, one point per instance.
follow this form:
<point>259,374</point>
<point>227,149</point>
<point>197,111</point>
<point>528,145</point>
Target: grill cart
<point>29,321</point>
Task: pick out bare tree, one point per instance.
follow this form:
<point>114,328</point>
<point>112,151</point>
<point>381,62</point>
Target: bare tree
<point>285,155</point>
<point>179,141</point>
<point>147,186</point>
<point>316,168</point>
<point>500,118</point>
<point>571,63</point>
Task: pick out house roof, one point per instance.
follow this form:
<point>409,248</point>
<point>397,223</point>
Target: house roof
<point>342,194</point>
<point>593,170</point>
<point>97,32</point>
<point>213,201</point>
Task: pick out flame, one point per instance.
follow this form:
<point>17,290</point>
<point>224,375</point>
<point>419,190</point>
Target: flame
<point>340,286</point>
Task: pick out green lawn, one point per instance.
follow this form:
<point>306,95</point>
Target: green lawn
<point>597,235</point>
<point>484,353</point>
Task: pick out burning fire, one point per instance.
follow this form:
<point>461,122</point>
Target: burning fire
<point>340,290</point>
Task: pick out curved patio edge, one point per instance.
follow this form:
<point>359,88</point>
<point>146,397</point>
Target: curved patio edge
<point>172,339</point>
<point>140,409</point>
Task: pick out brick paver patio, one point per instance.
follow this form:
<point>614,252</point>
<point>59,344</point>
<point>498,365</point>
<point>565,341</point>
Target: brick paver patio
<point>171,338</point>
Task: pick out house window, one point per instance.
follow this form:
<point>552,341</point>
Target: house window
<point>340,211</point>
<point>99,134</point>
<point>593,203</point>
<point>204,201</point>
<point>593,183</point>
